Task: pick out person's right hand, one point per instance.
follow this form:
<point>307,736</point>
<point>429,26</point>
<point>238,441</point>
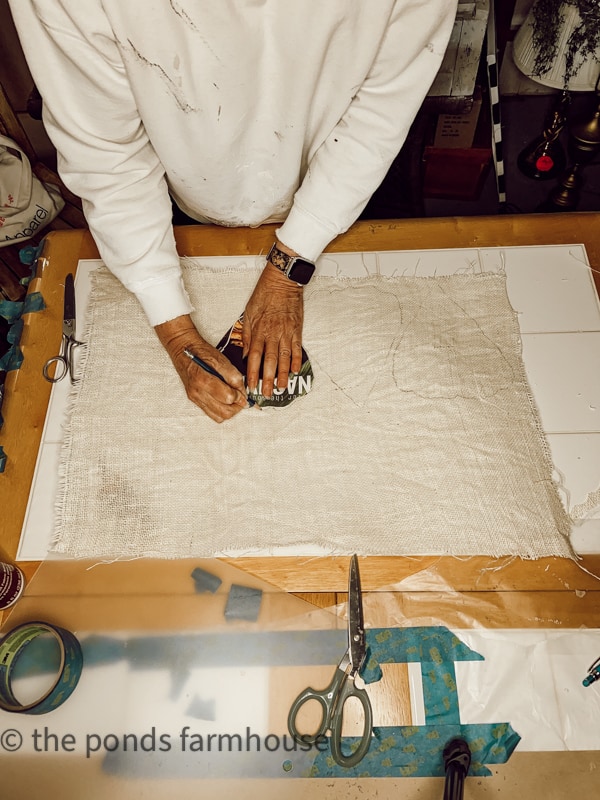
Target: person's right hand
<point>220,401</point>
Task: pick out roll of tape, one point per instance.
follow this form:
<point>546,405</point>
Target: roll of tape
<point>12,582</point>
<point>71,664</point>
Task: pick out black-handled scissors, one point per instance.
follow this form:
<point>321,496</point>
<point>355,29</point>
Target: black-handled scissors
<point>57,367</point>
<point>333,698</point>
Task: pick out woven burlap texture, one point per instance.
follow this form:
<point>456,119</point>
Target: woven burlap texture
<point>420,435</point>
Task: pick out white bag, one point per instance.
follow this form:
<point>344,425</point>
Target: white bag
<point>26,204</point>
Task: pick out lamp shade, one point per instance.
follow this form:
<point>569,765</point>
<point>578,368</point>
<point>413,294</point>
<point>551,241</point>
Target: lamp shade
<point>587,70</point>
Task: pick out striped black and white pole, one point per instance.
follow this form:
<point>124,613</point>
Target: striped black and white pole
<point>494,93</point>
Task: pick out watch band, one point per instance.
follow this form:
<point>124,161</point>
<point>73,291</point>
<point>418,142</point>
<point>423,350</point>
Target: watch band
<point>279,259</point>
<point>295,268</point>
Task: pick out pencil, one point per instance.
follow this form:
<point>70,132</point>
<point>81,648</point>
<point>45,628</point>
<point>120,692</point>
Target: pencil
<point>211,371</point>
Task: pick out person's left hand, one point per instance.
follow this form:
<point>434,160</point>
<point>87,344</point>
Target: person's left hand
<point>272,328</point>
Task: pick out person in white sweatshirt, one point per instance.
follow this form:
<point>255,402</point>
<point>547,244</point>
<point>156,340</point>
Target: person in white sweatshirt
<point>243,111</point>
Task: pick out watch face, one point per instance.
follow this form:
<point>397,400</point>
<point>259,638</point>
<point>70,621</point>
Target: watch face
<point>301,271</point>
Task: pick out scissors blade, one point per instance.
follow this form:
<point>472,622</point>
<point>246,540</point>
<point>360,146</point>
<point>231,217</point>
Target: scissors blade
<point>69,307</point>
<point>356,626</point>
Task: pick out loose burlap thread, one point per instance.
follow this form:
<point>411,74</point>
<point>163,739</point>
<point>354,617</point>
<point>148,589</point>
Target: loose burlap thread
<point>420,435</point>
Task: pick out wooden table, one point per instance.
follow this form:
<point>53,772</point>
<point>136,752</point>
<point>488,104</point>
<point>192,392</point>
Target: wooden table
<point>27,395</point>
<point>472,592</point>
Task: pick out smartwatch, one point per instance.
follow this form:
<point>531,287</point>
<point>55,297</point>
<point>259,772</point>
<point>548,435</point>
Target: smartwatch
<point>293,267</point>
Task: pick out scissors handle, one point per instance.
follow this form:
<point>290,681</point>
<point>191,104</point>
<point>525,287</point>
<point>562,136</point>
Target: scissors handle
<point>349,689</point>
<point>332,700</point>
<point>63,362</point>
<point>61,367</point>
<point>326,698</point>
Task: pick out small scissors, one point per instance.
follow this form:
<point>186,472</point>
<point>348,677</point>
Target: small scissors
<point>342,686</point>
<point>63,362</point>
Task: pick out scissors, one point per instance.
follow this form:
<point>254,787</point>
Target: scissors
<point>333,698</point>
<point>57,367</point>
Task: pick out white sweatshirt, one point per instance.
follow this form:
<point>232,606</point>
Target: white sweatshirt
<point>247,111</point>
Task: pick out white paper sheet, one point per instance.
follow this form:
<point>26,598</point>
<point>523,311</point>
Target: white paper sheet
<point>551,289</point>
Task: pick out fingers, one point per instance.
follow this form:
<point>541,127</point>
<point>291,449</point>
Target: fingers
<point>268,353</point>
<point>218,400</point>
<point>278,358</point>
<point>275,356</point>
<point>283,366</point>
<point>272,332</point>
<point>221,397</point>
<point>296,362</point>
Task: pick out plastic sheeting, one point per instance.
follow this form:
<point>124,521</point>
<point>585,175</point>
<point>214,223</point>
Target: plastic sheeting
<point>177,698</point>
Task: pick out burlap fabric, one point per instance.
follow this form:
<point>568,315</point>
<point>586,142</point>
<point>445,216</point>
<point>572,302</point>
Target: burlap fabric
<point>420,435</point>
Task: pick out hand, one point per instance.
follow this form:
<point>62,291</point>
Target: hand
<point>272,328</point>
<point>220,401</point>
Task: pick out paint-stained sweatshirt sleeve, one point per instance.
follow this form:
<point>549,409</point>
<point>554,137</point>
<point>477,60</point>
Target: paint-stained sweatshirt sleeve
<point>104,155</point>
<point>353,160</point>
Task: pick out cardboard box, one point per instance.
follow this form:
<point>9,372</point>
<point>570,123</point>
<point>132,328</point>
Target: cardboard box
<point>458,130</point>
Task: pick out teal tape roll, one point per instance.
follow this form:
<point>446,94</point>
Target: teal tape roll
<point>69,671</point>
